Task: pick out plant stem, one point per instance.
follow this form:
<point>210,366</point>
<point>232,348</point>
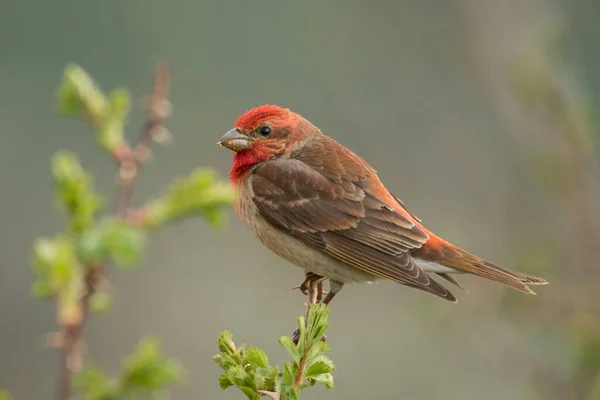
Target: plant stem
<point>128,161</point>
<point>301,367</point>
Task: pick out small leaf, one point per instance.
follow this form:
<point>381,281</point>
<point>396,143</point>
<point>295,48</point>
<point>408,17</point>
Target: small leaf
<point>325,379</point>
<point>317,368</point>
<point>224,382</point>
<point>79,96</point>
<point>289,374</point>
<point>199,193</point>
<point>91,248</point>
<point>110,131</point>
<point>55,265</point>
<point>74,190</point>
<point>242,379</point>
<point>147,371</point>
<point>226,345</point>
<point>290,347</point>
<point>256,357</point>
<point>100,302</point>
<point>225,361</point>
<point>250,393</point>
<point>317,349</point>
<point>120,102</point>
<point>93,383</point>
<point>4,395</point>
<point>271,377</point>
<point>124,243</point>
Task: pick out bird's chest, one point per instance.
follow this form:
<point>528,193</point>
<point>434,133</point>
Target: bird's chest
<point>265,232</point>
<point>292,249</point>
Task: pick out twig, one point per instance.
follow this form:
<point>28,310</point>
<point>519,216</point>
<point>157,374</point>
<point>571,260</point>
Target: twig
<point>301,366</point>
<point>129,161</point>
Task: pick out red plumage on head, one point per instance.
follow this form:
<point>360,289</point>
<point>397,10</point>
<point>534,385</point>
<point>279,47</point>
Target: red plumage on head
<point>278,118</point>
<point>276,115</point>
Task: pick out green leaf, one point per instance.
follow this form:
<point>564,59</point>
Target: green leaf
<point>100,302</point>
<point>289,374</point>
<point>317,368</point>
<point>74,191</point>
<point>257,357</point>
<point>124,243</point>
<point>266,378</point>
<point>120,102</point>
<point>199,193</point>
<point>226,345</point>
<point>325,379</point>
<point>317,349</point>
<point>225,361</point>
<point>4,395</point>
<point>55,265</point>
<point>91,248</point>
<point>320,371</point>
<point>270,377</point>
<point>92,382</point>
<point>244,380</point>
<point>290,347</point>
<point>110,132</point>
<point>79,96</point>
<point>250,393</point>
<point>224,382</point>
<point>147,371</point>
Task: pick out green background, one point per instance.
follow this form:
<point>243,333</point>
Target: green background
<point>418,88</point>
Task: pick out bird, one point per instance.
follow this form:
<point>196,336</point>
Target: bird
<point>320,206</point>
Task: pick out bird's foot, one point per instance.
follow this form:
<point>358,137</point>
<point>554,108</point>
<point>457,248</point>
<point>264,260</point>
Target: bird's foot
<point>312,279</point>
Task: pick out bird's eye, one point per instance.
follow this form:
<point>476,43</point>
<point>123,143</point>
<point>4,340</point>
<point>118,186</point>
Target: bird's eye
<point>265,131</point>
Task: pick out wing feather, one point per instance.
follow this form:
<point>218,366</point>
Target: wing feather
<point>341,215</point>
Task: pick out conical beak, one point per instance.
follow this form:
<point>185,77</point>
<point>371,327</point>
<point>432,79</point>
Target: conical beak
<point>235,140</point>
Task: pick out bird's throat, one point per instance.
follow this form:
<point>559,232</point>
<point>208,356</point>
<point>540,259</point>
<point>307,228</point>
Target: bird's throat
<point>246,159</point>
<point>242,162</point>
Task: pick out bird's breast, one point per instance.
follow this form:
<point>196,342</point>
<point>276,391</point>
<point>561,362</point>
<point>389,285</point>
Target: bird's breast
<point>291,248</point>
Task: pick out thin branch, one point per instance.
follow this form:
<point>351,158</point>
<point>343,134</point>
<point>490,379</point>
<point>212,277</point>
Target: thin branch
<point>129,162</point>
<point>154,130</point>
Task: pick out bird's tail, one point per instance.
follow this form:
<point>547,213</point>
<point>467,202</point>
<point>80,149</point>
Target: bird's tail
<point>469,263</point>
<point>446,254</point>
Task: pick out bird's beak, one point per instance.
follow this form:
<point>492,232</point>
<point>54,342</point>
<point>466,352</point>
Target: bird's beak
<point>235,140</point>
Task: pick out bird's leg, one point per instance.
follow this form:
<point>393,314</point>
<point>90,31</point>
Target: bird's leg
<point>314,291</point>
<point>334,288</point>
<point>320,292</point>
<point>312,287</point>
<point>311,276</point>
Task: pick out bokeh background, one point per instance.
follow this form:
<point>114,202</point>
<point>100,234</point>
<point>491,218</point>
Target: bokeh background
<point>477,113</point>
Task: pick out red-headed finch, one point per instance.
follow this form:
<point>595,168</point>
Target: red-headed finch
<point>320,206</point>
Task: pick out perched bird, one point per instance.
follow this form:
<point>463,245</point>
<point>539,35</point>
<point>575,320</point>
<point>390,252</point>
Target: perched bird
<point>320,206</point>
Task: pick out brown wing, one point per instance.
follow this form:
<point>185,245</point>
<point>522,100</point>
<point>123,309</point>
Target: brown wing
<point>341,218</point>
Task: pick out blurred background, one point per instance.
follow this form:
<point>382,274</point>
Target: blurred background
<point>479,114</point>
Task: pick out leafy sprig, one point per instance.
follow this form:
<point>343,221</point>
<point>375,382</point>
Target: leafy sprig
<point>249,369</point>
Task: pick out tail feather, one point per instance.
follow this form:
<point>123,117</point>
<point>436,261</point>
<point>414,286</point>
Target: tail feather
<point>451,280</point>
<point>510,278</point>
<point>532,280</point>
<point>442,252</point>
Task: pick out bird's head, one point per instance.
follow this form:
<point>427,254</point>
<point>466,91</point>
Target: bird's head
<point>259,135</point>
